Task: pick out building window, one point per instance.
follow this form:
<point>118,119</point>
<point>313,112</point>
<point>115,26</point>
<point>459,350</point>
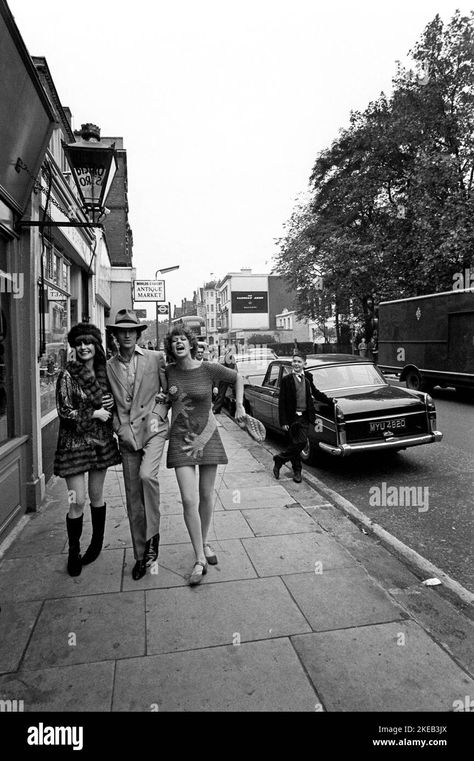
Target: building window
<point>212,323</point>
<point>212,307</point>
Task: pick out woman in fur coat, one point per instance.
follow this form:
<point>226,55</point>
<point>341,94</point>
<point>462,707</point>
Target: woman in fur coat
<point>86,444</point>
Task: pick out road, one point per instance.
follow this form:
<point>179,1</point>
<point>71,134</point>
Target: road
<point>441,526</point>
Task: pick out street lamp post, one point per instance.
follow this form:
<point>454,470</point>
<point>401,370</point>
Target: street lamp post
<point>163,271</point>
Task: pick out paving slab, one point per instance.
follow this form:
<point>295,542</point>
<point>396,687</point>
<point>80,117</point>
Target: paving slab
<point>225,525</point>
<point>295,553</point>
<point>39,537</point>
<point>306,496</point>
<point>385,667</point>
<point>115,488</point>
<point>175,563</point>
<point>217,614</point>
<point>86,687</point>
<point>442,620</point>
<point>257,497</point>
<point>254,676</point>
<point>244,464</point>
<point>16,623</point>
<point>279,520</point>
<point>87,629</point>
<point>47,577</point>
<point>234,480</point>
<point>341,598</point>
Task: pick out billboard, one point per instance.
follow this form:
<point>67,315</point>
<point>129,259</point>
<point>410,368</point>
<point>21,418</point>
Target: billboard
<point>245,302</point>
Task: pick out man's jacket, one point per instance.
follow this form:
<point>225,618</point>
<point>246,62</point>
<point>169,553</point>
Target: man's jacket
<point>137,423</point>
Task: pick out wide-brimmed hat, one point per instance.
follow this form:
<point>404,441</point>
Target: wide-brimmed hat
<point>126,318</point>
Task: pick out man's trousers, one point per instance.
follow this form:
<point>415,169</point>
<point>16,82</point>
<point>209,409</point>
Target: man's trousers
<point>142,491</point>
<point>298,434</point>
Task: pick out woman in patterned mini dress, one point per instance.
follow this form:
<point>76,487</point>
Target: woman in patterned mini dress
<point>194,437</point>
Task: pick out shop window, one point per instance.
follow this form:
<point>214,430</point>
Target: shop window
<point>6,371</point>
<point>55,354</point>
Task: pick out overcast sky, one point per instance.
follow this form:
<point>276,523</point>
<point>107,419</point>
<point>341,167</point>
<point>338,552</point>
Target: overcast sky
<point>223,107</point>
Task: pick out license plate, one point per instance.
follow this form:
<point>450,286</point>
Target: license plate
<point>394,424</point>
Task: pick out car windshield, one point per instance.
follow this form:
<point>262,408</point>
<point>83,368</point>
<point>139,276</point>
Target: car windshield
<point>255,358</point>
<point>346,376</point>
<point>253,353</point>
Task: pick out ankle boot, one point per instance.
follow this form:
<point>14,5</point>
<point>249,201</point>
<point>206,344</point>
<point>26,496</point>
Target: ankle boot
<point>151,550</point>
<point>98,525</point>
<point>74,531</point>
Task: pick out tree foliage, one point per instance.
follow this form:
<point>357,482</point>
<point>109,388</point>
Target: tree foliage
<point>391,206</point>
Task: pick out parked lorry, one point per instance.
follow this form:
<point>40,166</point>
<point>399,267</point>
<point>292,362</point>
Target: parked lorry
<point>429,340</point>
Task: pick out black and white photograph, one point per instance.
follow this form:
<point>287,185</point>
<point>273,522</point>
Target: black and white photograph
<point>237,368</point>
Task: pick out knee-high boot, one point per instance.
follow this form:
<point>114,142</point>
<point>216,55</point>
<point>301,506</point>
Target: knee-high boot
<point>98,525</point>
<point>74,531</point>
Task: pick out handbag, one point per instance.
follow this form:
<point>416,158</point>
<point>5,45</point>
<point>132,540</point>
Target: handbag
<point>254,427</point>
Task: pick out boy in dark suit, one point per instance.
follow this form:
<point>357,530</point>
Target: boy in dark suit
<point>296,412</point>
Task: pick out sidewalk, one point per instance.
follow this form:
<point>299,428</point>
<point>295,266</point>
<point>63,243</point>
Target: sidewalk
<point>304,611</point>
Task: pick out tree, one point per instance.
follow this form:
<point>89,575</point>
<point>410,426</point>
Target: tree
<point>391,204</point>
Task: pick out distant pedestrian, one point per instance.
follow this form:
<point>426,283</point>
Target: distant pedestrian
<point>296,413</point>
<point>363,347</point>
<point>201,352</point>
<point>86,443</point>
<point>229,361</point>
<point>374,347</point>
<point>194,437</point>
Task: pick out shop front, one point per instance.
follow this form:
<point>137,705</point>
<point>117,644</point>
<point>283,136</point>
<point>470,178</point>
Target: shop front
<point>26,125</point>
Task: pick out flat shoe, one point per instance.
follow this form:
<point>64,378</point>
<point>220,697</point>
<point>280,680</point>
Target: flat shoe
<point>198,572</point>
<point>211,556</point>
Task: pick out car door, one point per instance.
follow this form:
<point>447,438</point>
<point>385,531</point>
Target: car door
<point>284,370</point>
<point>263,402</point>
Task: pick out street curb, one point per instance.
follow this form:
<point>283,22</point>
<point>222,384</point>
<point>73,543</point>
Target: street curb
<point>418,563</point>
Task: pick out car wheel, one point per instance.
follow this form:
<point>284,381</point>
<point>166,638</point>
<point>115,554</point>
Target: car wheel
<point>413,380</point>
<point>307,451</point>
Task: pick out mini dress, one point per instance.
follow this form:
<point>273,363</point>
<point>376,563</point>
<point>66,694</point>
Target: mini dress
<point>194,437</point>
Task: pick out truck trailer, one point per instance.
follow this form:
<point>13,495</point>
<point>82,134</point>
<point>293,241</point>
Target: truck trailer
<point>428,341</point>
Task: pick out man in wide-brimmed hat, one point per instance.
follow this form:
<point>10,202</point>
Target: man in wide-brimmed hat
<point>136,376</point>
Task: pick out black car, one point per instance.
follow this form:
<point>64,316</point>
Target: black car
<point>369,414</point>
